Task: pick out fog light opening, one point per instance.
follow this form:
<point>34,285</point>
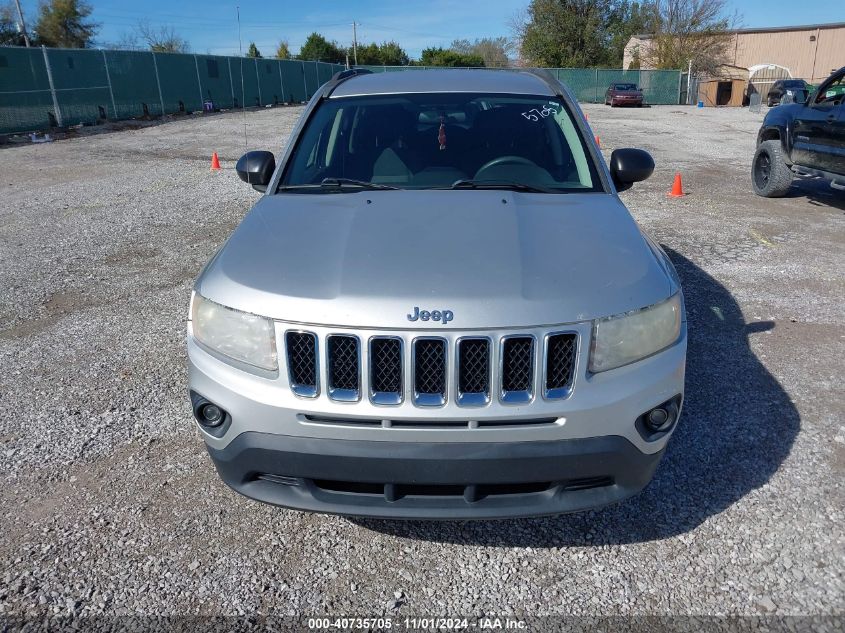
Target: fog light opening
<point>211,415</point>
<point>658,419</point>
<point>657,422</point>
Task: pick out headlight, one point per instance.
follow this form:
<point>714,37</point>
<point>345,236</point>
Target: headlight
<point>626,338</point>
<point>239,335</point>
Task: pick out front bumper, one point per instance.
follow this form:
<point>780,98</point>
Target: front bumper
<point>416,480</point>
<point>626,101</point>
<point>545,457</point>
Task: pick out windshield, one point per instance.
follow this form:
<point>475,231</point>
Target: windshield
<point>430,141</point>
<point>625,87</point>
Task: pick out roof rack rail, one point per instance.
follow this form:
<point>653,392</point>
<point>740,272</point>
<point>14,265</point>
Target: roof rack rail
<point>341,76</point>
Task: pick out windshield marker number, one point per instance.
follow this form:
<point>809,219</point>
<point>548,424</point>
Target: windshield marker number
<point>535,115</point>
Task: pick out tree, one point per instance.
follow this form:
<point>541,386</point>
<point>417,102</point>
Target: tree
<point>495,51</point>
<point>368,54</point>
<point>283,50</point>
<point>566,33</point>
<point>10,34</point>
<point>391,54</point>
<point>163,39</point>
<point>318,48</point>
<point>253,50</point>
<point>65,24</point>
<point>690,30</point>
<point>386,53</point>
<point>438,56</point>
<point>626,20</point>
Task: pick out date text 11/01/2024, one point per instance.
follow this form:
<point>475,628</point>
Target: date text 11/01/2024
<point>416,623</point>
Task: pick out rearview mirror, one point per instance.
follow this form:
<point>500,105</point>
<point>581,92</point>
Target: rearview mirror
<point>629,165</point>
<point>256,168</point>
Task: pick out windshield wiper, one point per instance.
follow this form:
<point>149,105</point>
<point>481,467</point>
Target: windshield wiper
<point>351,182</point>
<point>499,184</point>
<point>337,184</point>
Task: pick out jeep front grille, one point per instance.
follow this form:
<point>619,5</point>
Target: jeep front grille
<point>386,370</point>
<point>343,367</point>
<point>430,371</point>
<point>560,364</point>
<point>473,370</point>
<point>517,365</point>
<point>302,363</point>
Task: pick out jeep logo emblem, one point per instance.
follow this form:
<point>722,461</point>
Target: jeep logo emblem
<point>443,316</point>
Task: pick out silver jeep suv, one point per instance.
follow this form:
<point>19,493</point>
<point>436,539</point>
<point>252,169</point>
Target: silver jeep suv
<point>439,308</point>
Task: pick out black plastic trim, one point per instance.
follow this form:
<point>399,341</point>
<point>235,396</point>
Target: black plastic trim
<point>392,464</point>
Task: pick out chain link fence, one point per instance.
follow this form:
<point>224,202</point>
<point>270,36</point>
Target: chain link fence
<point>48,87</point>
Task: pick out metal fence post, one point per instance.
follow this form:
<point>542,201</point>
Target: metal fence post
<point>596,87</point>
<point>108,79</point>
<point>199,83</point>
<point>679,87</point>
<point>281,81</point>
<point>258,81</point>
<point>158,83</point>
<point>231,81</point>
<point>304,80</point>
<point>52,88</point>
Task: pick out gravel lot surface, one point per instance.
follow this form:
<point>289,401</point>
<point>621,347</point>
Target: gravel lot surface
<point>111,505</point>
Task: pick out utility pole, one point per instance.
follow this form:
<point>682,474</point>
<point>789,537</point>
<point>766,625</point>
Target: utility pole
<point>23,24</point>
<point>355,43</point>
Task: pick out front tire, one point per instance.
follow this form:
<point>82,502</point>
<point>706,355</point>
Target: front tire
<point>770,175</point>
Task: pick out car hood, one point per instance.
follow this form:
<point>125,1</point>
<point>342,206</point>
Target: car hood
<point>492,258</point>
<point>626,93</point>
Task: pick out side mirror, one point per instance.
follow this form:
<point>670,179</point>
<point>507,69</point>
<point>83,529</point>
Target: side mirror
<point>629,165</point>
<point>256,168</point>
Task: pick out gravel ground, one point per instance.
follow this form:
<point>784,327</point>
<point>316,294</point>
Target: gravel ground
<point>112,506</point>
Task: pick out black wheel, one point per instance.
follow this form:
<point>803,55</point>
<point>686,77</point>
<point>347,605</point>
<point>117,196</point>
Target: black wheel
<point>770,175</point>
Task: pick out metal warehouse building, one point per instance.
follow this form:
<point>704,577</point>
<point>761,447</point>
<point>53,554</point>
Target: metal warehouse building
<point>761,56</point>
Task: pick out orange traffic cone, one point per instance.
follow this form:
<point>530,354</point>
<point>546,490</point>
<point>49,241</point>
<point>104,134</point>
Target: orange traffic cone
<point>677,187</point>
<point>215,162</point>
<point>598,141</point>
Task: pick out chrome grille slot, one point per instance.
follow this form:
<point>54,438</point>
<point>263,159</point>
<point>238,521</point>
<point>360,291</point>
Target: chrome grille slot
<point>560,364</point>
<point>386,370</point>
<point>517,369</point>
<point>302,363</point>
<point>473,358</point>
<point>344,362</point>
<point>429,362</point>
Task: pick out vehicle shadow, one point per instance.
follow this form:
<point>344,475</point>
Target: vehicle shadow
<point>737,428</point>
<point>817,192</point>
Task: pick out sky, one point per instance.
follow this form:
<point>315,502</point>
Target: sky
<point>211,27</point>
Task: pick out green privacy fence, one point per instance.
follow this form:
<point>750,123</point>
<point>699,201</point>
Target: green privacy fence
<point>590,84</point>
<point>45,87</point>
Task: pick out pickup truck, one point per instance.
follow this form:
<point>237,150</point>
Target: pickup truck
<point>806,138</point>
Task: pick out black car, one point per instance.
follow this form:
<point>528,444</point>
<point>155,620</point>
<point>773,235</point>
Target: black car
<point>796,88</point>
<point>805,138</point>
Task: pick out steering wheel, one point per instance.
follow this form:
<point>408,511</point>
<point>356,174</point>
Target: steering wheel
<point>505,160</point>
